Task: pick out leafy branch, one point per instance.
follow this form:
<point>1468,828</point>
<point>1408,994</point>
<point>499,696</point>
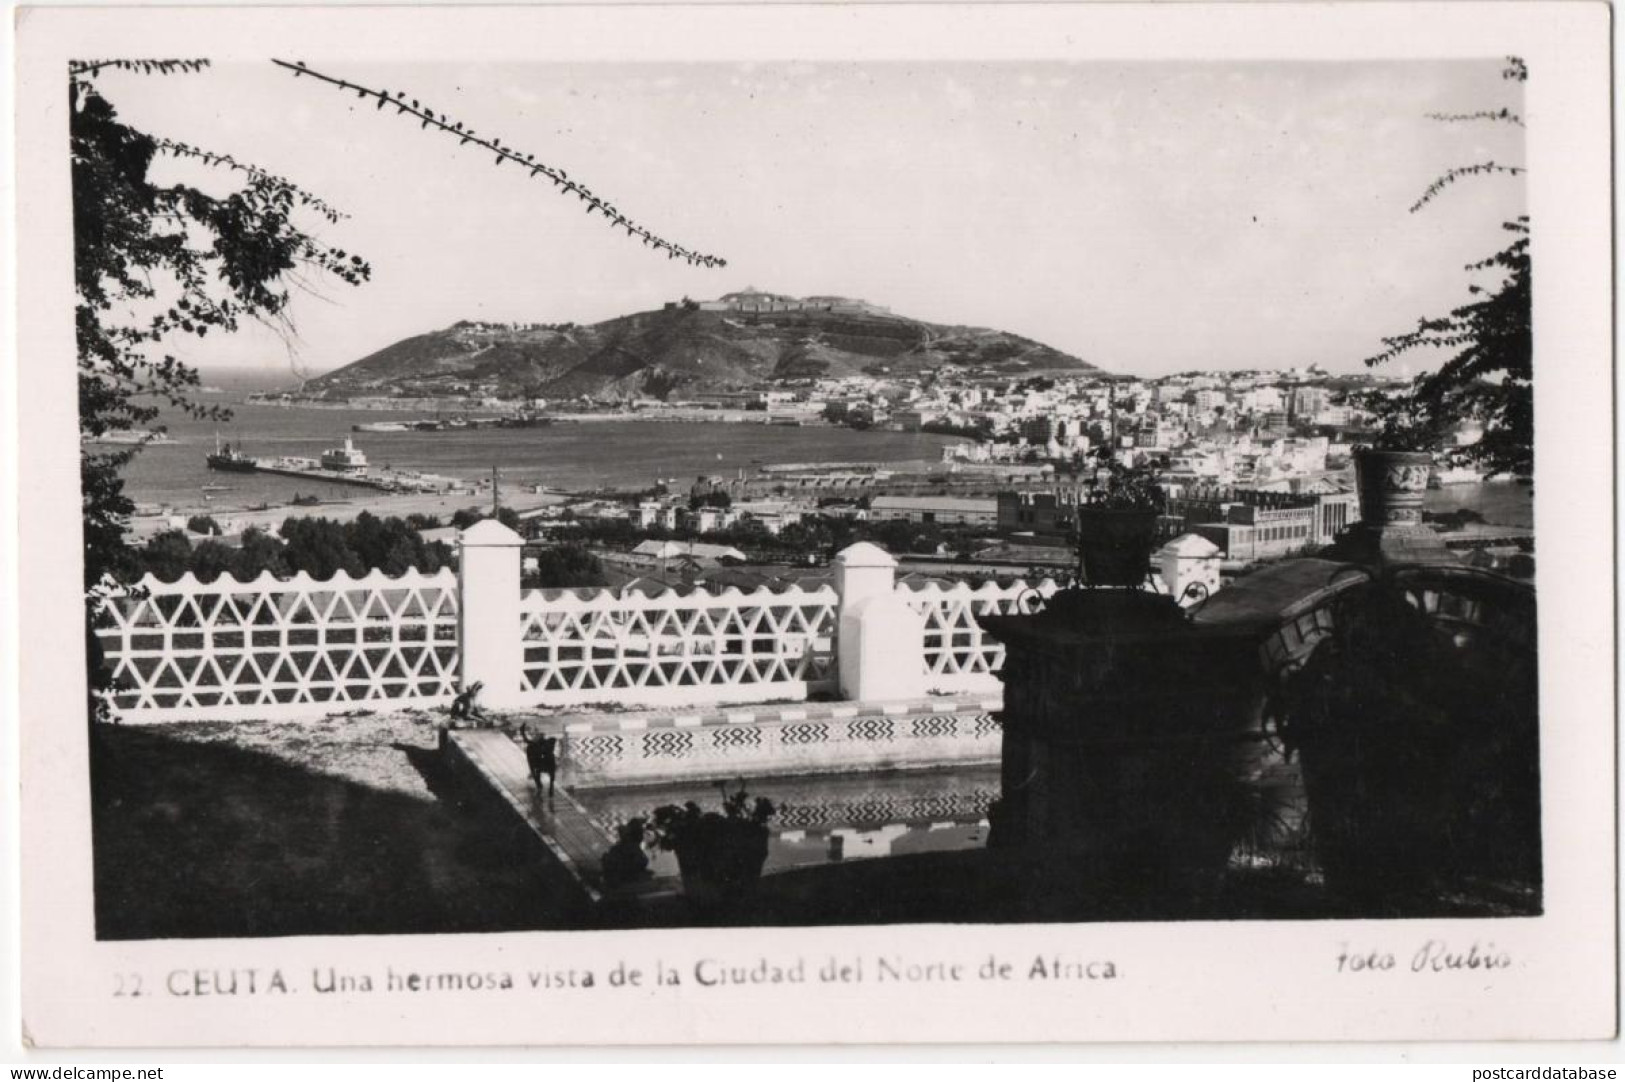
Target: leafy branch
<point>1489,373</point>
<point>253,172</point>
<point>1502,113</point>
<point>1515,71</point>
<point>154,259</point>
<point>1450,176</point>
<point>79,68</point>
<point>429,118</point>
<point>1490,376</point>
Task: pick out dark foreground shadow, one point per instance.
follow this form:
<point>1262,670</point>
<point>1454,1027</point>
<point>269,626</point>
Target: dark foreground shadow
<point>983,886</point>
<point>195,839</point>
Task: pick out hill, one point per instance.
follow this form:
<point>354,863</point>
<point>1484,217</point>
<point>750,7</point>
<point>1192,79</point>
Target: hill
<point>681,350</point>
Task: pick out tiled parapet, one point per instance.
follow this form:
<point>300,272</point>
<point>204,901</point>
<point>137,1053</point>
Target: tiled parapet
<point>809,738</point>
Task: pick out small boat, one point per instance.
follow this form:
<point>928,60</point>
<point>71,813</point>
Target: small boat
<point>217,488</point>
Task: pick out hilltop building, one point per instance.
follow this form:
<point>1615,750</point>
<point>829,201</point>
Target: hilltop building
<point>754,301</point>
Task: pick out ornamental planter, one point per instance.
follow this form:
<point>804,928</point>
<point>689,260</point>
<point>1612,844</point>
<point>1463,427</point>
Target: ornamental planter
<point>723,861</point>
<point>1115,544</point>
<point>1392,486</point>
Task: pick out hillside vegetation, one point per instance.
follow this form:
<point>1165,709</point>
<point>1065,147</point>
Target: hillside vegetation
<point>678,351</point>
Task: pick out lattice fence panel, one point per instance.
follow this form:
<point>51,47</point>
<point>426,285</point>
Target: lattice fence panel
<point>677,649</point>
<point>299,647</point>
<point>957,652</point>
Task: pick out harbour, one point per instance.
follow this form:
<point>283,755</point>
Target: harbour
<point>613,453</point>
<point>346,465</point>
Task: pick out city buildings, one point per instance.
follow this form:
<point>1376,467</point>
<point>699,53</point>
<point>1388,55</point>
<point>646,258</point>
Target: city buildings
<point>946,510</point>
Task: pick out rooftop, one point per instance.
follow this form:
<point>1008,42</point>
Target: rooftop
<point>934,503</point>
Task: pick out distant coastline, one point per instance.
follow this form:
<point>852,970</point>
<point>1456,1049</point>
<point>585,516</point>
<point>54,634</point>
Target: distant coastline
<point>613,451</point>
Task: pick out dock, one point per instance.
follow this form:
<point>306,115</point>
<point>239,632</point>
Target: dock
<point>333,476</point>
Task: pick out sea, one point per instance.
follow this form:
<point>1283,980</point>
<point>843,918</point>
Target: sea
<point>573,456</point>
<point>1502,503</point>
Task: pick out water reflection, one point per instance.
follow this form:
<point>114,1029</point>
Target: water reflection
<point>832,818</point>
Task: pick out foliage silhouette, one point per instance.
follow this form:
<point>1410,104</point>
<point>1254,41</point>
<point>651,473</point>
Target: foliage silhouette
<point>1491,375</point>
<point>157,260</point>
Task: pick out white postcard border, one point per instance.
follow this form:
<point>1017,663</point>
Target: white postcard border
<point>1184,982</point>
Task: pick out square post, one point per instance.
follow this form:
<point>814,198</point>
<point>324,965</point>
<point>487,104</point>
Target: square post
<point>489,644</point>
<point>880,642</point>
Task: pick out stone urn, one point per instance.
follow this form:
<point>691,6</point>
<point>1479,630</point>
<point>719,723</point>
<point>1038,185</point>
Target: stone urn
<point>1392,486</point>
<point>1114,544</point>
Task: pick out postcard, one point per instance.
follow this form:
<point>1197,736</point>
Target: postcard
<point>724,524</point>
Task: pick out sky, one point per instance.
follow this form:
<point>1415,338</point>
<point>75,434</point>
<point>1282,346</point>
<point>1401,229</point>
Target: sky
<point>1148,217</point>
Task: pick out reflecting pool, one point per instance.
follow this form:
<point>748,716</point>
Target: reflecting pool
<point>832,817</point>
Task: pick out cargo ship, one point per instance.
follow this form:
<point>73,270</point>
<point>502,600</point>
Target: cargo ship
<point>230,459</point>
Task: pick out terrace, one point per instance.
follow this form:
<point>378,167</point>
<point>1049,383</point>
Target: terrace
<point>869,709</point>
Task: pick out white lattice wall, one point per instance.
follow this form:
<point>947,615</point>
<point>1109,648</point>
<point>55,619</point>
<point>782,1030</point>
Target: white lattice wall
<point>303,648</point>
<point>677,650</point>
<point>230,650</point>
<point>959,656</point>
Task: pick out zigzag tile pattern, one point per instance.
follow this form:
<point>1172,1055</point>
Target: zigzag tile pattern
<point>866,809</point>
<point>742,736</point>
<point>877,808</point>
<point>667,743</point>
<point>597,748</point>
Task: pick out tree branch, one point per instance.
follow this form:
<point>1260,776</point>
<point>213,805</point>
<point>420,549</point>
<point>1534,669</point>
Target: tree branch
<point>1502,113</point>
<point>428,118</point>
<point>1452,175</point>
<point>142,67</point>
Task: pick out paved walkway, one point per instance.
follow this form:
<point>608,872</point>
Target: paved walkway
<point>561,824</point>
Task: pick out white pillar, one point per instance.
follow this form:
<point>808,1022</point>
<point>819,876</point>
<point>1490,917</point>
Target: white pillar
<point>880,643</point>
<point>488,629</point>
